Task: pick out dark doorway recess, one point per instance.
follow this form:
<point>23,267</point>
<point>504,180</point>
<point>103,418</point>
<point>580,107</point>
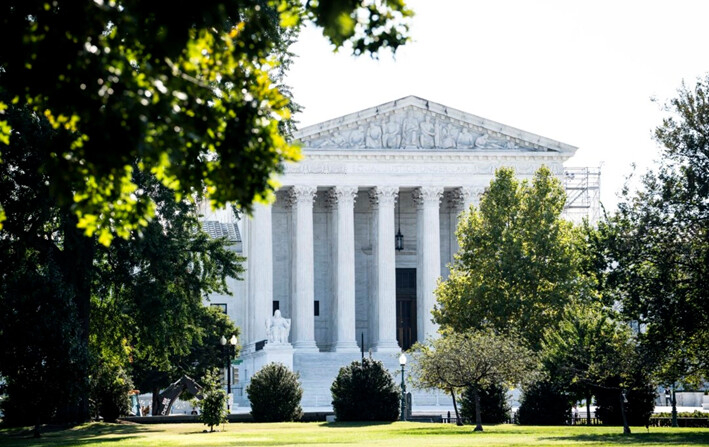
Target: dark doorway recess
<point>406,307</point>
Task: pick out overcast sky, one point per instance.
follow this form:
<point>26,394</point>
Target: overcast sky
<point>583,73</point>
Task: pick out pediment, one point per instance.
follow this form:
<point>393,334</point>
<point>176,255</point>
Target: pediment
<point>414,123</point>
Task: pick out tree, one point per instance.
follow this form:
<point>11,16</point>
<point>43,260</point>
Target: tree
<point>473,359</point>
<point>44,300</point>
<point>593,353</point>
<point>213,404</point>
<point>147,297</point>
<point>544,402</point>
<point>494,408</point>
<point>654,251</point>
<point>365,391</point>
<point>192,97</point>
<point>144,293</point>
<point>518,265</point>
<point>275,394</point>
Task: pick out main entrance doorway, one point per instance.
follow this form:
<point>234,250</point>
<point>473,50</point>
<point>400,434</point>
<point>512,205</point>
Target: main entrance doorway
<point>406,307</point>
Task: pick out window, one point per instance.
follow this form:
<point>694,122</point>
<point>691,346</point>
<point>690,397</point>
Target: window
<point>221,306</point>
<point>276,306</point>
<point>317,308</point>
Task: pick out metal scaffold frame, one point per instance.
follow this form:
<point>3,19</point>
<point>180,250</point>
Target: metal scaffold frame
<point>583,194</point>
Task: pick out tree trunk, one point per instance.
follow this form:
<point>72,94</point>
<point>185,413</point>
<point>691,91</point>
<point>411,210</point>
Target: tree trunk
<point>588,410</point>
<point>674,407</point>
<point>155,408</point>
<point>458,421</point>
<point>626,429</point>
<point>78,257</point>
<point>478,417</point>
<point>36,433</point>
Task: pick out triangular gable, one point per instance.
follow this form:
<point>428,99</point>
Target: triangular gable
<point>413,123</point>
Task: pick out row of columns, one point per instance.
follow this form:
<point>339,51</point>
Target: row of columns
<point>341,199</point>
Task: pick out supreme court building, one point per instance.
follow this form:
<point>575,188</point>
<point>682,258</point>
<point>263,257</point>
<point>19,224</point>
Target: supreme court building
<point>360,231</point>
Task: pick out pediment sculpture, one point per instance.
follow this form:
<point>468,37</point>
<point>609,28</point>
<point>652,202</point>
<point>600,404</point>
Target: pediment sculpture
<point>414,129</point>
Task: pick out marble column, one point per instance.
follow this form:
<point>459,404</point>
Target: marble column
<point>260,272</point>
<point>302,279</point>
<point>383,199</point>
<point>460,200</point>
<point>428,251</point>
<point>342,200</point>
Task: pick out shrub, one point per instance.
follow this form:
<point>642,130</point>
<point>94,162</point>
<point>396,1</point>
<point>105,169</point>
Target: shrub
<point>213,403</point>
<point>110,386</point>
<point>544,403</point>
<point>494,408</point>
<point>275,394</point>
<point>365,391</point>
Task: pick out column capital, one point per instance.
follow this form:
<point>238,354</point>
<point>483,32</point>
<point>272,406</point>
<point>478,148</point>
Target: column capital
<point>383,195</point>
<point>301,194</point>
<point>427,194</point>
<point>345,195</point>
<point>461,198</point>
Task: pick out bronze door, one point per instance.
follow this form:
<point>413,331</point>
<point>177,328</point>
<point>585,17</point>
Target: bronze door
<point>406,307</point>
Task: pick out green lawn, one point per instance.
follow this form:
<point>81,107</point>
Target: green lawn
<point>407,434</point>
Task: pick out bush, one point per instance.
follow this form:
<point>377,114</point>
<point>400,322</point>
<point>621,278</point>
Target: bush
<point>544,403</point>
<point>365,391</point>
<point>641,402</point>
<point>213,403</point>
<point>494,408</point>
<point>275,394</point>
<point>110,386</point>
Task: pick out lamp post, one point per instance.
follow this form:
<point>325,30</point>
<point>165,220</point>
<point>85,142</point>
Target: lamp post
<point>227,355</point>
<point>402,362</point>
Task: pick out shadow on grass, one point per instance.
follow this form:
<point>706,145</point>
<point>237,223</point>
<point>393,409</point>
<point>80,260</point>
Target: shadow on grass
<point>682,438</point>
<point>81,435</point>
<point>353,424</point>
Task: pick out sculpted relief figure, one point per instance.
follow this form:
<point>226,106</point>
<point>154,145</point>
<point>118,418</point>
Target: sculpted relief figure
<point>481,141</point>
<point>392,138</point>
<point>448,137</point>
<point>277,328</point>
<point>374,136</point>
<point>410,132</point>
<point>466,139</point>
<point>428,133</point>
<point>356,137</point>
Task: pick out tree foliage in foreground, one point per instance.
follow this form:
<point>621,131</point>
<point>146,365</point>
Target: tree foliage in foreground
<point>193,97</point>
<point>655,249</point>
<point>365,391</point>
<point>519,263</point>
<point>69,306</point>
<point>474,360</point>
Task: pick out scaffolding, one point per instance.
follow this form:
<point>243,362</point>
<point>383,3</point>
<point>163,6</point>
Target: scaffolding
<point>583,194</point>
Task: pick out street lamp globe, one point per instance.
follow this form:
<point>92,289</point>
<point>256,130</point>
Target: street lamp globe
<point>222,340</point>
<point>402,359</point>
<point>233,340</point>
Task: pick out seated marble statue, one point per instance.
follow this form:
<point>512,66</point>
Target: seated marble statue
<point>277,328</point>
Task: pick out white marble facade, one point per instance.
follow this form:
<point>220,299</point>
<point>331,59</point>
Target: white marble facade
<point>325,249</point>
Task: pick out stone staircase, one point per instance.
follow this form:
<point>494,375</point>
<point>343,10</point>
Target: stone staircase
<point>318,371</point>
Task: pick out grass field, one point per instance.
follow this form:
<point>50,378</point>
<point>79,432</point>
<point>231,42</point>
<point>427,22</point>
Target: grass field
<point>407,434</point>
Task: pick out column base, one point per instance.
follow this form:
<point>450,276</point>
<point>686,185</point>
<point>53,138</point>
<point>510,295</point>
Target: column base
<point>346,346</point>
<point>387,346</point>
<point>305,346</point>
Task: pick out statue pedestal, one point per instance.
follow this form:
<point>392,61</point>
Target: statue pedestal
<point>271,353</point>
<point>278,353</point>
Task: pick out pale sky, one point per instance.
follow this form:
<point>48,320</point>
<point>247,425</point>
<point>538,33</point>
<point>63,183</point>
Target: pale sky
<point>580,72</point>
